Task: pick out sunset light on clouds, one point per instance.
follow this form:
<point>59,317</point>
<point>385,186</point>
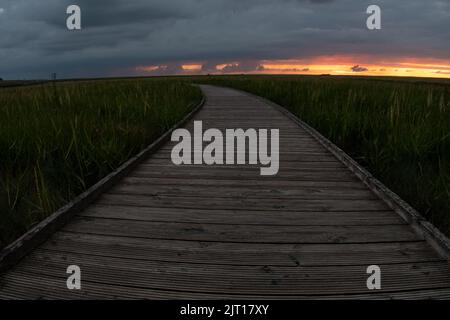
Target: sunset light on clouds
<point>346,66</point>
<point>333,65</point>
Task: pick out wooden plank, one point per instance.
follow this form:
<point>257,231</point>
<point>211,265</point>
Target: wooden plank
<point>243,204</point>
<point>287,153</point>
<point>242,217</point>
<point>274,184</point>
<point>326,166</point>
<point>238,168</point>
<point>155,190</point>
<point>284,148</point>
<point>228,174</point>
<point>242,233</point>
<point>300,157</point>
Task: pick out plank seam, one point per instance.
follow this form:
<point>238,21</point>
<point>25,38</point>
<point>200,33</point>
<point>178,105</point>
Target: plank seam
<point>93,216</point>
<point>241,242</point>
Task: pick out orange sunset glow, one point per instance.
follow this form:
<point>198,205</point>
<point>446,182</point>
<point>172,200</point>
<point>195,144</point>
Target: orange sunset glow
<point>407,67</point>
<point>334,65</point>
<point>192,67</point>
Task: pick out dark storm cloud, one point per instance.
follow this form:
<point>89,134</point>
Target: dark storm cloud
<point>118,35</point>
<point>120,13</point>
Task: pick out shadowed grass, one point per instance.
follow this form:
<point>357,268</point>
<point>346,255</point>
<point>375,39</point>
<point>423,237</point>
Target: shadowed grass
<point>56,140</point>
<point>399,130</point>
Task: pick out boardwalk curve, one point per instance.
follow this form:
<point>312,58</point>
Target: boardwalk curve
<point>166,231</point>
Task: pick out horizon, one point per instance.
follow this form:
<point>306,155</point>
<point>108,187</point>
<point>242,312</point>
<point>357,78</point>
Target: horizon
<point>25,81</point>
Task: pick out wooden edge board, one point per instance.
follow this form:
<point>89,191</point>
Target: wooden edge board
<point>15,251</point>
<point>432,235</point>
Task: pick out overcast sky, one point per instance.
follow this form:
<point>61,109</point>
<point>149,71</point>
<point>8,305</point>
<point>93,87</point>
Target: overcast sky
<point>120,36</point>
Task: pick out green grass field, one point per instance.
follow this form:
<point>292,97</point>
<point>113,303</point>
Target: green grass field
<point>398,129</point>
<point>56,140</point>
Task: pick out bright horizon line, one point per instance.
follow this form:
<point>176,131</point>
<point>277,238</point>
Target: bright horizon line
<point>333,65</point>
<point>368,75</point>
<point>400,70</point>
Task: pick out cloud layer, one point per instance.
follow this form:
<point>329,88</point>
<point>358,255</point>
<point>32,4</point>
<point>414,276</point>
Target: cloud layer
<point>119,36</point>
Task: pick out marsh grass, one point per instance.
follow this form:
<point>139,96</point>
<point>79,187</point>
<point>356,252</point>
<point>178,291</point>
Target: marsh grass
<point>58,139</point>
<point>399,130</point>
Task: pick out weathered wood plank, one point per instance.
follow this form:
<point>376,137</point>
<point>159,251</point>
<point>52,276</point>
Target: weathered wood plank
<point>153,190</point>
<point>243,203</point>
<point>242,217</point>
<point>277,185</point>
<point>252,174</point>
<point>242,233</point>
<point>297,157</point>
<point>153,162</point>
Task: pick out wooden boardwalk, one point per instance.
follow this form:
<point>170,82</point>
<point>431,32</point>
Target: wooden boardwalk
<point>228,232</point>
